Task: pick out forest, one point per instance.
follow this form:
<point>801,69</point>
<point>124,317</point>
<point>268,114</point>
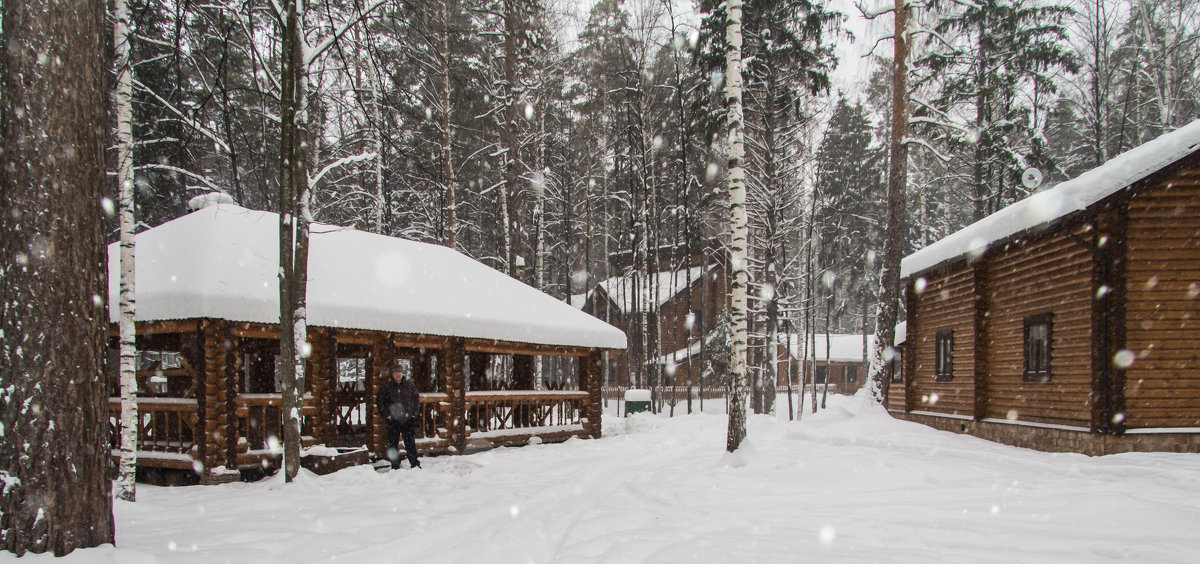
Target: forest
<point>569,142</point>
<point>562,142</point>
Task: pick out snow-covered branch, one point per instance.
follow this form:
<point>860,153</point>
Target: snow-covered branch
<point>313,180</point>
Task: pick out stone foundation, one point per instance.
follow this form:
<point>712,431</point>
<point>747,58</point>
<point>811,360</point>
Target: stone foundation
<point>1050,439</point>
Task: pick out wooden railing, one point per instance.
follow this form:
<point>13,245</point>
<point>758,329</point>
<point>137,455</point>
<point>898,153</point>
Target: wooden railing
<point>166,425</point>
<point>498,411</point>
<point>669,393</point>
<point>260,419</point>
<point>430,419</point>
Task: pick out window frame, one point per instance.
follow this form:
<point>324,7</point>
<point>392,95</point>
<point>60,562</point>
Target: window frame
<point>850,373</point>
<point>943,356</point>
<point>1035,373</point>
<point>897,367</point>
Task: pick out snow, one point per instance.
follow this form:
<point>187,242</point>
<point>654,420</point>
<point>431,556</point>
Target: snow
<point>637,395</point>
<point>1054,203</point>
<point>842,348</point>
<point>847,485</point>
<point>668,283</point>
<point>221,262</point>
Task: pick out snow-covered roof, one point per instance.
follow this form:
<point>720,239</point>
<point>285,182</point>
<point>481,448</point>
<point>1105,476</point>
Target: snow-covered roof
<point>667,283</point>
<point>842,348</point>
<point>680,356</point>
<point>1070,196</point>
<point>222,261</point>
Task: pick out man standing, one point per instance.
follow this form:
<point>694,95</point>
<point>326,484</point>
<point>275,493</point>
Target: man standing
<point>399,403</point>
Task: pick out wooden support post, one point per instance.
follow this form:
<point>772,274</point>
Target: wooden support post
<point>911,345</point>
<point>456,412</point>
<point>214,398</point>
<point>979,290</point>
<point>193,348</point>
<point>322,370</point>
<point>1109,285</point>
<point>589,381</point>
<point>231,346</point>
<point>382,356</point>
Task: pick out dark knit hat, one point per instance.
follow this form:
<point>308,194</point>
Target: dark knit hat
<point>395,367</point>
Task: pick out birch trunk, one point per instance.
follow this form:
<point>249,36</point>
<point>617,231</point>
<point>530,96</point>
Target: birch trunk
<point>737,227</point>
<point>893,244</point>
<point>126,488</point>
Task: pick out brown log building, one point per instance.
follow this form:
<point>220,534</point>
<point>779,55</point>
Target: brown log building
<point>1068,321</point>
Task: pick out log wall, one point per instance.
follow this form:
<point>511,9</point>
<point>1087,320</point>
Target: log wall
<point>945,303</point>
<point>1048,275</point>
<point>1162,386</point>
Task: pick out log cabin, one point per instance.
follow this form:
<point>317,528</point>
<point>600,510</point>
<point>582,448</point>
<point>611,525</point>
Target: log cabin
<point>208,318</point>
<point>1068,321</point>
<point>682,303</point>
<point>838,362</point>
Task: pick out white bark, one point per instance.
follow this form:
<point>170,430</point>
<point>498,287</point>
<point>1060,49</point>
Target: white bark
<point>126,488</point>
<point>737,227</point>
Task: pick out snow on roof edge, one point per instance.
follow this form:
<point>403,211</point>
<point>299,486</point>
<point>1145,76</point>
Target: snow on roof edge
<point>220,262</point>
<point>1074,195</point>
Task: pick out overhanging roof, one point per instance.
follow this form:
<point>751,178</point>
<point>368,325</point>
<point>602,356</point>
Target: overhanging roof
<point>221,262</point>
<point>1055,203</point>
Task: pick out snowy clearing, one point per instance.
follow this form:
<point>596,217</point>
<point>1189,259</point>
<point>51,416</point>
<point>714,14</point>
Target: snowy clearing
<point>847,485</point>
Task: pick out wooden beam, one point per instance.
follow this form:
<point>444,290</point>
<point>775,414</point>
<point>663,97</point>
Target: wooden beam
<point>912,338</point>
<point>503,347</point>
<point>159,327</point>
<point>979,290</point>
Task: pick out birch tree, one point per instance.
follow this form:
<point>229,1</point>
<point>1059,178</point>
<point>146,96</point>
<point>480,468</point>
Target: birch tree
<point>127,472</point>
<point>737,227</point>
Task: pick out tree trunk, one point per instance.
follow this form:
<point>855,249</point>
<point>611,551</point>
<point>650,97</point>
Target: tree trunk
<point>127,474</point>
<point>293,236</point>
<point>509,132</point>
<point>54,450</point>
<point>737,227</point>
<point>893,243</point>
<point>447,148</point>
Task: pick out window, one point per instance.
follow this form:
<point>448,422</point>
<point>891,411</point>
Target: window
<point>1037,348</point>
<point>897,375</point>
<point>820,375</point>
<point>944,356</point>
<point>851,373</point>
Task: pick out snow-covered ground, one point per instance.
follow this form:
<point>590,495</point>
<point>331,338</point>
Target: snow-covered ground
<point>847,485</point>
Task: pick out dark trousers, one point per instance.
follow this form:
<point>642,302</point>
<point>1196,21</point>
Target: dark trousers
<point>409,432</point>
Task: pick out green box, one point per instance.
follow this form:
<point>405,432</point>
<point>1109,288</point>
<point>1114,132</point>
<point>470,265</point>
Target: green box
<point>637,401</point>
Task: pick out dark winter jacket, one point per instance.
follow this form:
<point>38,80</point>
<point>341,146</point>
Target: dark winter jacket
<point>398,402</point>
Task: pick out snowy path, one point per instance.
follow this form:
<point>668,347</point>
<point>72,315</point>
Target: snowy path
<point>839,487</point>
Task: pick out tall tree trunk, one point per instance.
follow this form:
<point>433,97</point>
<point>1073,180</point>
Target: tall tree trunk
<point>293,236</point>
<point>54,448</point>
<point>737,227</point>
<point>127,473</point>
<point>511,116</point>
<point>447,148</point>
<point>893,243</point>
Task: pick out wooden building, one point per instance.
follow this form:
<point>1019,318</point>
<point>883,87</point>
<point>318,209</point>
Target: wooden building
<point>838,362</point>
<point>207,322</point>
<point>681,305</point>
<point>1068,321</point>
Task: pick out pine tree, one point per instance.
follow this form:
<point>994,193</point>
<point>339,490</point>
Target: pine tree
<point>54,442</point>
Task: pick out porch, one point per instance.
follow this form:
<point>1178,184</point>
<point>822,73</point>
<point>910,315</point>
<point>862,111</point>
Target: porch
<point>208,402</point>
